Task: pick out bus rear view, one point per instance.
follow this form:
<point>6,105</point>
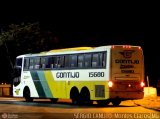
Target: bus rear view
<point>127,73</point>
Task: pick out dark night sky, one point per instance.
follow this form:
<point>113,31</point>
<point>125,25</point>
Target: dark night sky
<point>96,25</point>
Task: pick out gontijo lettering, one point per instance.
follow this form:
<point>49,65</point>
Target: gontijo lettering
<point>67,74</point>
<point>127,61</point>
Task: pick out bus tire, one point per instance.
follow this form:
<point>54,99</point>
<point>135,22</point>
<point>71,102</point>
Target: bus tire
<point>116,102</point>
<point>74,95</point>
<point>85,96</point>
<point>26,94</point>
<point>103,102</point>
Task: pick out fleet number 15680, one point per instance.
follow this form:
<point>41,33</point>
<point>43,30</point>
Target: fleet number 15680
<point>96,74</point>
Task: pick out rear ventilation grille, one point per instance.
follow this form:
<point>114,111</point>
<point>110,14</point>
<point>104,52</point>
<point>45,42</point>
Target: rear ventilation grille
<point>99,91</point>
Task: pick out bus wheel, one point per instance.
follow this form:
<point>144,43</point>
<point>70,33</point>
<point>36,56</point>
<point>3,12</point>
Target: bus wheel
<point>85,97</point>
<point>103,102</point>
<point>74,95</point>
<point>116,102</point>
<point>54,100</point>
<point>26,94</point>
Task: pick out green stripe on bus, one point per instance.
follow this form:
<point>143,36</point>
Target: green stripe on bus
<point>38,84</point>
<point>44,84</point>
<point>51,82</point>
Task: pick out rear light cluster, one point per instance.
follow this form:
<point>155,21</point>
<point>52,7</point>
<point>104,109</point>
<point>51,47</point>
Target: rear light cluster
<point>139,48</point>
<point>110,84</point>
<point>124,46</point>
<point>142,84</point>
<point>127,47</point>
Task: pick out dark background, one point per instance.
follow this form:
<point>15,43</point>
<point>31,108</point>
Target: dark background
<point>85,24</point>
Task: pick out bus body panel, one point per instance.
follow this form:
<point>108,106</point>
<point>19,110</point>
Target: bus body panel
<point>83,78</point>
<point>124,67</point>
<point>127,72</point>
<point>54,84</point>
<point>26,81</point>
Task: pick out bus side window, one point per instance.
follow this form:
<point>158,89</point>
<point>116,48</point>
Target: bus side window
<point>55,62</point>
<point>58,62</point>
<point>73,61</point>
<point>61,61</point>
<point>37,63</point>
<point>51,62</point>
<point>66,62</point>
<point>43,63</point>
<point>87,60</point>
<point>80,60</point>
<point>103,59</point>
<point>47,62</point>
<point>26,63</point>
<point>31,62</point>
<point>95,60</point>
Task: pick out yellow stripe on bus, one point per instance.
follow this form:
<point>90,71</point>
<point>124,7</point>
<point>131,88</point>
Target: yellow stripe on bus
<point>51,82</point>
<point>58,88</point>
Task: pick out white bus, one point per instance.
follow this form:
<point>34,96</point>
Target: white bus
<point>83,74</point>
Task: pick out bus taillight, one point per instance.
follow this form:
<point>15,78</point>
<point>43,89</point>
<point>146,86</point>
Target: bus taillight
<point>113,46</point>
<point>142,84</point>
<point>126,46</point>
<point>139,48</point>
<point>110,84</point>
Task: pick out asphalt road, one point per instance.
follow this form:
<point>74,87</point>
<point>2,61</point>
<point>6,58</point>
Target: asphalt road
<point>63,109</point>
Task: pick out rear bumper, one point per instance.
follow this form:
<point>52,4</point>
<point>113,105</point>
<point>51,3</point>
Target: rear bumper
<point>127,95</point>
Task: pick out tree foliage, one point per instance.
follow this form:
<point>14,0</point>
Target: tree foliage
<point>23,38</point>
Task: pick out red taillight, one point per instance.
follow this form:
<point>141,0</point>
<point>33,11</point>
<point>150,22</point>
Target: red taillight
<point>110,84</point>
<point>142,84</point>
<point>139,48</point>
<point>126,46</point>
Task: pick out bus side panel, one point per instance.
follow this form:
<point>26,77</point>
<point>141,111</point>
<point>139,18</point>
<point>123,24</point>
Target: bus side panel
<point>46,86</point>
<point>57,88</point>
<point>26,81</point>
<point>95,80</point>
